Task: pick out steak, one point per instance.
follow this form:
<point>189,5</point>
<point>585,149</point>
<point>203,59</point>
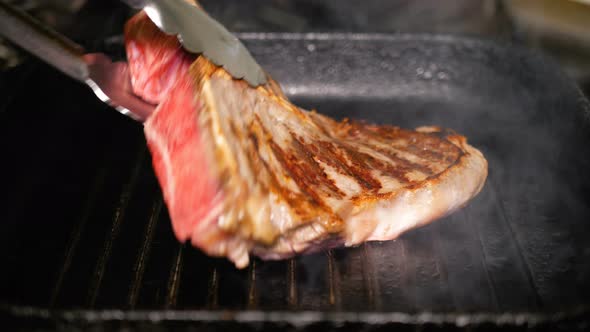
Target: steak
<point>244,171</point>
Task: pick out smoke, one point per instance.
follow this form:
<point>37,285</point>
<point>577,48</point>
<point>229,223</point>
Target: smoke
<point>522,243</point>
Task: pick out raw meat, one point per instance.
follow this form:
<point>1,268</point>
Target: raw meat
<point>243,171</point>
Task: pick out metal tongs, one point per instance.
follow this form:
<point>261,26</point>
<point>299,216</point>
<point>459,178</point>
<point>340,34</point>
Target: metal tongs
<point>110,81</point>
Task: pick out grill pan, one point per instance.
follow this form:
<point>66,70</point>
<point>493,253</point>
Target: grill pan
<point>86,240</point>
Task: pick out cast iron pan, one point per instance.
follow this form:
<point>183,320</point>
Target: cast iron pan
<point>86,242</point>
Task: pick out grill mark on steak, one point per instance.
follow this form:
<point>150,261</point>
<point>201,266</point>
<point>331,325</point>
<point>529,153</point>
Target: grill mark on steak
<point>289,163</point>
<point>428,146</point>
<point>335,156</point>
<point>368,162</point>
<point>304,204</point>
<point>301,203</point>
<point>309,202</point>
<point>332,155</point>
<point>313,175</point>
<point>361,133</point>
<point>404,164</point>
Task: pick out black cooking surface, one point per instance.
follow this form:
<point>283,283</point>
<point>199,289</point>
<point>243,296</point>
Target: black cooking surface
<point>85,231</point>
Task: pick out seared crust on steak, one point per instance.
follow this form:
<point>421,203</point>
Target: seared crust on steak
<point>244,171</point>
<point>297,181</point>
